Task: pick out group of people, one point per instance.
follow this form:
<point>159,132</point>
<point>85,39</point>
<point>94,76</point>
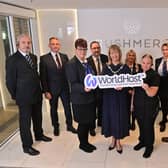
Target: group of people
<point>114,109</point>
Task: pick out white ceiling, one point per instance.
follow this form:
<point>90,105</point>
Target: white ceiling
<point>76,4</point>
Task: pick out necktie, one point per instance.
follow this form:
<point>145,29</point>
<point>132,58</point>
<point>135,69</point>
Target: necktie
<point>164,68</point>
<point>29,60</point>
<point>88,69</point>
<point>58,61</point>
<point>98,66</point>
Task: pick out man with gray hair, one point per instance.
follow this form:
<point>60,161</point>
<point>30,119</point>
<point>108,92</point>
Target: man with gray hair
<point>23,83</point>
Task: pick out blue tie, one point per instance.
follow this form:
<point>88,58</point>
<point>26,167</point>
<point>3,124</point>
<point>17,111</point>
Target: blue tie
<point>29,60</point>
<point>88,69</point>
<point>164,68</point>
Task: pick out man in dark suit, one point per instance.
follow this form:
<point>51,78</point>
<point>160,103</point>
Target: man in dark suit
<point>161,66</point>
<point>97,61</point>
<point>23,83</point>
<point>55,85</point>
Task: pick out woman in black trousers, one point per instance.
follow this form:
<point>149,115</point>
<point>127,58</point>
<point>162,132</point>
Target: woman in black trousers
<point>146,106</point>
<point>82,98</point>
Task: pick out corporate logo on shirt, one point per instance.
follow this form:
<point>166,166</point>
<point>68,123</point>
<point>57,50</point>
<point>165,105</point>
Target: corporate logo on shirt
<point>122,80</point>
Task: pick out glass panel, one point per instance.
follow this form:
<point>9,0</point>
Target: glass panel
<point>8,108</point>
<point>21,26</point>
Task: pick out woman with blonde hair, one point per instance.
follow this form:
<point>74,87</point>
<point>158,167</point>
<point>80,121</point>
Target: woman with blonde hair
<point>130,61</point>
<point>115,110</point>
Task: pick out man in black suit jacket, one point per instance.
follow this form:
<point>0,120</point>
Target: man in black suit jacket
<point>97,61</point>
<point>161,65</point>
<point>23,83</point>
<point>55,85</point>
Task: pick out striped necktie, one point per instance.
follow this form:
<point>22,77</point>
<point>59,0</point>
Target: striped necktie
<point>164,68</point>
<point>29,60</point>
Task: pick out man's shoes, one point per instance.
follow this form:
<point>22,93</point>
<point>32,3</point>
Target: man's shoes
<point>92,132</point>
<point>162,127</point>
<point>85,148</point>
<point>71,129</point>
<point>91,146</point>
<point>148,152</point>
<point>56,132</point>
<point>31,151</point>
<point>138,146</point>
<point>165,139</point>
<point>44,138</point>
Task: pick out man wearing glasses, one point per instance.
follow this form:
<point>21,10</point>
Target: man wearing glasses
<point>97,61</point>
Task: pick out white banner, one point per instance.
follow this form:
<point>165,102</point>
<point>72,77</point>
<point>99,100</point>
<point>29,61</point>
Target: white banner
<point>122,80</point>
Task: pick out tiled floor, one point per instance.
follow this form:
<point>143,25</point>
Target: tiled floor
<point>63,152</point>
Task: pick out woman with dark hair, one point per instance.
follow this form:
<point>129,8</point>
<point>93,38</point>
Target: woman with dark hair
<point>146,106</point>
<point>130,61</point>
<point>115,106</point>
<point>82,98</point>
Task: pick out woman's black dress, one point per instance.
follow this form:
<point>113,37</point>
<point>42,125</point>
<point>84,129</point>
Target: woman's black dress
<point>115,106</point>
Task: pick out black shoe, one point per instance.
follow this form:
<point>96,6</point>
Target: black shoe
<point>56,131</point>
<point>91,146</point>
<point>44,138</point>
<point>138,146</point>
<point>31,151</point>
<point>85,148</point>
<point>92,132</point>
<point>72,129</point>
<point>162,127</point>
<point>148,152</point>
<point>112,146</point>
<point>165,139</point>
<point>120,151</point>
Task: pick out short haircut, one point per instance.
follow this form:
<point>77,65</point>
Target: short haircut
<point>148,56</point>
<point>93,43</point>
<point>164,45</point>
<point>21,36</point>
<point>53,38</point>
<point>80,42</point>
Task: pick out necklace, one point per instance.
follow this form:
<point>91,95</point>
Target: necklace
<point>115,72</point>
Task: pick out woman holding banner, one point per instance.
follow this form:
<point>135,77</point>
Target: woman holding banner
<point>82,98</point>
<point>146,106</point>
<point>115,105</point>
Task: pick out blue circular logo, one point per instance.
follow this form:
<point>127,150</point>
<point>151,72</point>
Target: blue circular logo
<point>90,81</point>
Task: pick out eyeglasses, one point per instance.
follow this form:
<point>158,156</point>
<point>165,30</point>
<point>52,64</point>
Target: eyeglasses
<point>82,49</point>
<point>94,48</point>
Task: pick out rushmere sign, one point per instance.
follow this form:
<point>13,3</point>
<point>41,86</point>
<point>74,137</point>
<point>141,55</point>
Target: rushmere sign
<point>122,80</point>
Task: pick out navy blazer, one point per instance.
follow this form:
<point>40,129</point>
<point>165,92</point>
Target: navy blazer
<point>53,79</point>
<point>76,73</point>
<point>22,81</point>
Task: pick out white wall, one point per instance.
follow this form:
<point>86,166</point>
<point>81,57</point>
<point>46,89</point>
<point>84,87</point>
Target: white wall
<point>146,26</point>
<point>59,23</point>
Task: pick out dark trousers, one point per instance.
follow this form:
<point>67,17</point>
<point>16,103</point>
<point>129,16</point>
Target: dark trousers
<point>98,111</point>
<point>146,130</point>
<point>26,113</point>
<point>64,95</point>
<point>83,133</point>
<point>164,107</point>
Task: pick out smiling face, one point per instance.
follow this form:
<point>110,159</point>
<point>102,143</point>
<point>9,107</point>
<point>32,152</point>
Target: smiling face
<point>95,49</point>
<point>24,43</point>
<point>54,45</point>
<point>146,63</point>
<point>114,56</point>
<point>165,51</point>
